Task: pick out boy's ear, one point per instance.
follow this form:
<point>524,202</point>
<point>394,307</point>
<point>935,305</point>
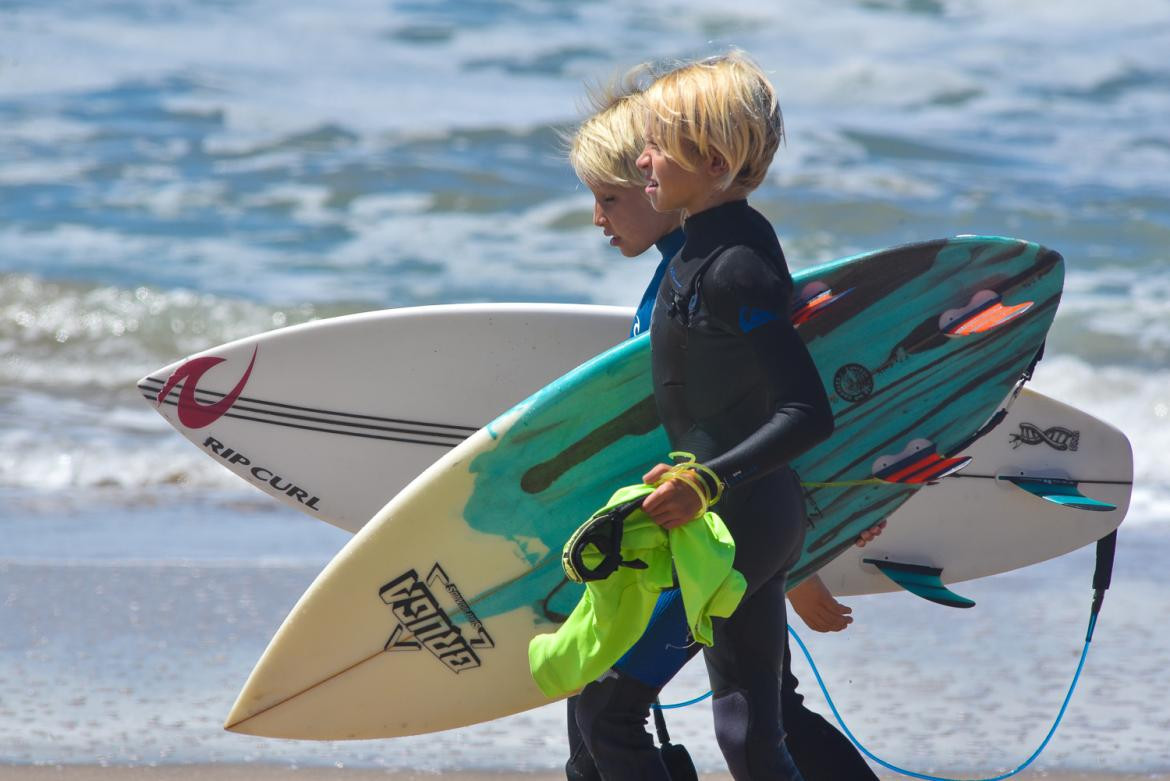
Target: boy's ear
<point>717,165</point>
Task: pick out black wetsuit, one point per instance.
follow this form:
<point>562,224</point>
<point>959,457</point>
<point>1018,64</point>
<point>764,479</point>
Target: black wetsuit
<point>736,386</point>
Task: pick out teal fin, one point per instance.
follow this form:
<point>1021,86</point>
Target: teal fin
<point>1059,491</point>
<point>922,581</point>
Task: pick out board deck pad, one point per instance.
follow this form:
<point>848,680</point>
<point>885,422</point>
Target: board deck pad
<point>486,522</point>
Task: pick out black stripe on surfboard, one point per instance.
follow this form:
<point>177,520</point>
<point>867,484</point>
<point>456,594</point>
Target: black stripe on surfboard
<point>363,435</point>
<point>453,437</point>
<point>1070,479</point>
<point>456,429</point>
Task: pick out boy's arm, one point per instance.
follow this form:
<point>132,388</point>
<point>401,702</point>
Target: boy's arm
<point>815,604</point>
<point>745,294</point>
<point>817,608</point>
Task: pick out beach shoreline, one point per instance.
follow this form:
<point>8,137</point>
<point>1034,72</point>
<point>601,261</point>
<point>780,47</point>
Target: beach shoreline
<point>238,772</point>
<point>67,710</point>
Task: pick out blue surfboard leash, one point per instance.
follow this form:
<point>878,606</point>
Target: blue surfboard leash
<point>1102,577</point>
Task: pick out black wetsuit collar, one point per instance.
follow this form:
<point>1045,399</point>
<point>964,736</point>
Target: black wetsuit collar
<point>710,228</point>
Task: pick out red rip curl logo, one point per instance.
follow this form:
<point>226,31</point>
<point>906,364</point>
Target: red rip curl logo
<point>192,414</point>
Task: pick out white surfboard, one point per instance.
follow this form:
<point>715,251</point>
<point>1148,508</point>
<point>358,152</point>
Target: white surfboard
<point>335,416</point>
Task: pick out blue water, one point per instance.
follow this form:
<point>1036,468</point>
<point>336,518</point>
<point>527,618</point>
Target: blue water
<point>175,175</point>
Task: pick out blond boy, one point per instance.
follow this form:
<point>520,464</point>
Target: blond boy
<point>735,386</point>
<point>603,152</point>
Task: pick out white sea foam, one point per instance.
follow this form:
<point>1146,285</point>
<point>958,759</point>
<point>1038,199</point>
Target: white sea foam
<point>44,171</point>
<point>62,335</point>
<point>160,191</point>
<point>1130,307</point>
<point>306,204</point>
<point>1137,403</point>
<point>365,73</point>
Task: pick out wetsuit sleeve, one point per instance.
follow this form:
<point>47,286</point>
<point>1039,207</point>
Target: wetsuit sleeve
<point>749,299</point>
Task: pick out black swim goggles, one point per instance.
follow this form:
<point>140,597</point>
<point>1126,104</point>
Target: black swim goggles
<point>604,532</point>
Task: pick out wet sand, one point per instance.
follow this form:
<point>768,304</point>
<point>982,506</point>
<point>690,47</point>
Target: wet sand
<point>269,773</point>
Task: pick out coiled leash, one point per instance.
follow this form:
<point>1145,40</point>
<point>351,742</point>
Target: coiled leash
<point>700,478</point>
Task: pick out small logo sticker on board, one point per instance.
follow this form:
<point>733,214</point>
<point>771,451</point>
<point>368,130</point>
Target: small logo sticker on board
<point>423,623</point>
<point>191,413</point>
<point>853,382</point>
<point>1056,437</point>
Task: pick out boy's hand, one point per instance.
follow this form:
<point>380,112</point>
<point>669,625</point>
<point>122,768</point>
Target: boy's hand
<point>816,607</point>
<point>870,534</point>
<point>671,504</point>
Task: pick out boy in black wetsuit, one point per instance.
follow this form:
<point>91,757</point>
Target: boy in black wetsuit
<point>734,385</point>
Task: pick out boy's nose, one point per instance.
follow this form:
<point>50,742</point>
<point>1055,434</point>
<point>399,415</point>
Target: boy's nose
<point>643,162</point>
<point>598,215</point>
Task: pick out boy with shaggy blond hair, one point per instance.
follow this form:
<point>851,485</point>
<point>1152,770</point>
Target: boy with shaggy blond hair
<point>735,386</point>
<point>603,152</point>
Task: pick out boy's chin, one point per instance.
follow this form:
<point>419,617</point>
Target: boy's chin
<point>658,203</point>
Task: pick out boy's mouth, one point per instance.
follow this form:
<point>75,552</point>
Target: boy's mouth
<point>651,186</point>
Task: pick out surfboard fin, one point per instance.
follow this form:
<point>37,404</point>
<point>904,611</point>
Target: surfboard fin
<point>813,299</point>
<point>922,581</point>
<point>985,312</point>
<point>919,462</point>
<point>1059,491</point>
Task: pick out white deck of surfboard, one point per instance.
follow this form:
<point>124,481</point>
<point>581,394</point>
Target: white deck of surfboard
<point>329,672</point>
<point>350,409</point>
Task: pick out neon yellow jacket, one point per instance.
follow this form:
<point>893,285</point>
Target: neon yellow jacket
<point>613,613</point>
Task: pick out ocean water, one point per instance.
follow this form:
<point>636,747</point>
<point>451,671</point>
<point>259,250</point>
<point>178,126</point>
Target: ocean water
<point>174,175</point>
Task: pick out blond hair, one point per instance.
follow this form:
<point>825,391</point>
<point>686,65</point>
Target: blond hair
<point>722,105</point>
<point>605,147</point>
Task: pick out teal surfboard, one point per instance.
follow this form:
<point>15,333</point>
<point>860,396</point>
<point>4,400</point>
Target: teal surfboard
<point>422,621</point>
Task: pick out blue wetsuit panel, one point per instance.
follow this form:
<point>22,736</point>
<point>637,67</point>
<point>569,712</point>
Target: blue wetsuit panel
<point>668,245</point>
<point>665,646</point>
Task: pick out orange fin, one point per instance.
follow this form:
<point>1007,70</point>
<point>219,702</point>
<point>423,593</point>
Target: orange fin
<point>985,312</point>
